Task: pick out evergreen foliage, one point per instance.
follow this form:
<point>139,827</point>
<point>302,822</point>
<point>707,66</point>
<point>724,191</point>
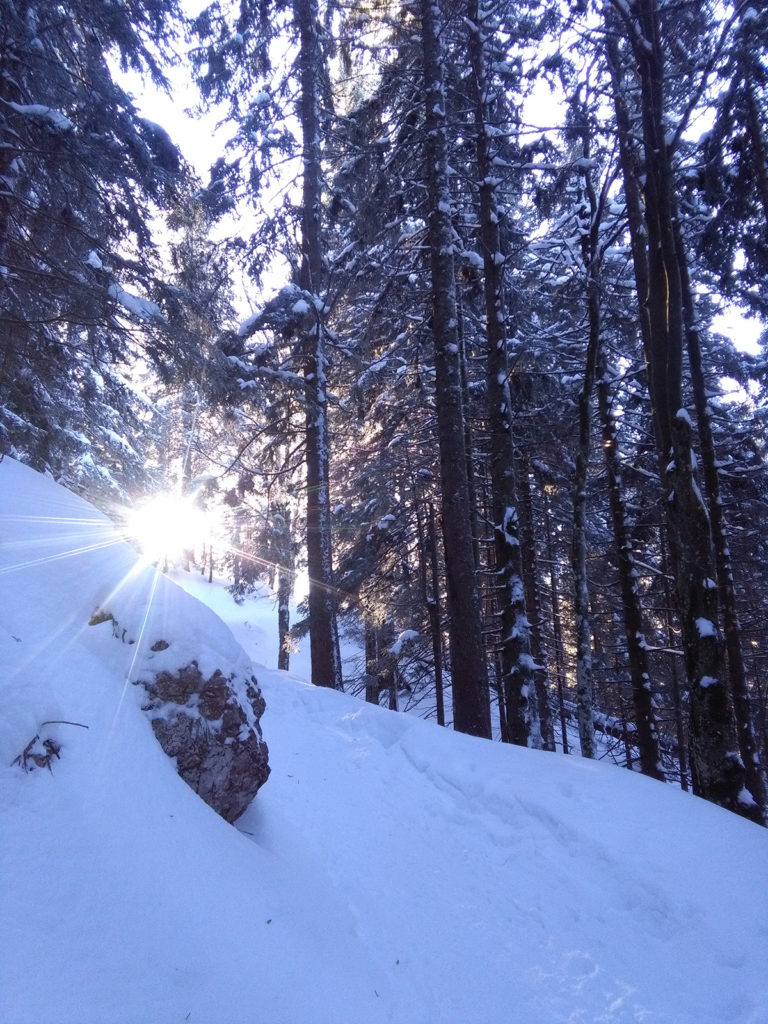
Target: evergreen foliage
<point>480,398</point>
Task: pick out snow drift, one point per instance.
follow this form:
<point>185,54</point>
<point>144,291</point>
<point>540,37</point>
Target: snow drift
<point>388,871</point>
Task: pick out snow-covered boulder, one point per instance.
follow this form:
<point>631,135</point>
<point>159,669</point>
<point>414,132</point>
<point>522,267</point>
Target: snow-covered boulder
<point>211,727</point>
<point>196,686</point>
<point>82,617</point>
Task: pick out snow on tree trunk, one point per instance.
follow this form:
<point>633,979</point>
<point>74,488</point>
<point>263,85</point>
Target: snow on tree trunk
<point>737,674</point>
<point>532,607</point>
<point>584,687</point>
<point>646,736</point>
<point>589,250</point>
<point>430,591</point>
<point>471,703</point>
<point>323,637</point>
<point>285,577</point>
<point>717,769</point>
<point>515,648</point>
<point>557,629</point>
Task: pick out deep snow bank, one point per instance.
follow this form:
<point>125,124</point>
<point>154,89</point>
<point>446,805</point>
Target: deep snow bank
<point>124,897</point>
<point>389,870</point>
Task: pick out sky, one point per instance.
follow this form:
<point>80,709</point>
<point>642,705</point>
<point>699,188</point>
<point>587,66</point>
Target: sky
<point>389,869</point>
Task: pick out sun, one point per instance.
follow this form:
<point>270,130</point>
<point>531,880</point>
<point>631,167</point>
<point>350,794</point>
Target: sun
<point>166,526</point>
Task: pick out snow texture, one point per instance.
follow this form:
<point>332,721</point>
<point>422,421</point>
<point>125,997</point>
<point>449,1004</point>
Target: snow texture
<point>40,112</point>
<point>389,871</point>
<point>141,308</point>
<point>705,627</point>
<point>405,636</point>
<point>682,414</point>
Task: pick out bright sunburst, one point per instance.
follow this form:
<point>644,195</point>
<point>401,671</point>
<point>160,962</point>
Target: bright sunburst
<point>166,526</point>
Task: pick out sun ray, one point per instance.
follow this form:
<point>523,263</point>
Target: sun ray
<point>296,573</point>
<point>59,555</point>
<point>134,657</point>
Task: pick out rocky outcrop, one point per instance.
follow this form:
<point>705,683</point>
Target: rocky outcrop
<point>211,727</point>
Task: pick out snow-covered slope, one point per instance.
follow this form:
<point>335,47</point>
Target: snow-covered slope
<point>388,871</point>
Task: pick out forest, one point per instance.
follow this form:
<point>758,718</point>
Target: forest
<point>465,325</point>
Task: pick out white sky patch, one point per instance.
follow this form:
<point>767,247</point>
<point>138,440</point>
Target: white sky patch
<point>743,331</point>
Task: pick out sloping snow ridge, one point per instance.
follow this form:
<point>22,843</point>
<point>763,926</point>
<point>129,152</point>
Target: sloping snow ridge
<point>389,870</point>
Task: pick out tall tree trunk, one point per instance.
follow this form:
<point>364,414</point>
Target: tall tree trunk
<point>646,736</point>
<point>474,514</point>
<point>429,579</point>
<point>471,703</point>
<point>757,141</point>
<point>584,676</point>
<point>433,607</point>
<point>323,636</point>
<point>12,61</point>
<point>677,698</point>
<point>557,631</point>
<point>371,663</point>
<point>584,681</point>
<point>717,769</point>
<point>515,647</point>
<point>737,674</point>
<point>530,587</point>
<point>285,577</point>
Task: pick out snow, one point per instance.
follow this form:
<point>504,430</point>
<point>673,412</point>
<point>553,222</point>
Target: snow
<point>406,636</point>
<point>473,258</point>
<point>389,870</point>
<point>142,308</point>
<point>584,163</point>
<point>684,416</point>
<point>246,327</point>
<point>37,110</point>
<point>705,627</point>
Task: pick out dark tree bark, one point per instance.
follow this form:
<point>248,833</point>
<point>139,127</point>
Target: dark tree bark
<point>285,577</point>
<point>584,681</point>
<point>677,699</point>
<point>474,515</point>
<point>532,606</point>
<point>646,736</point>
<point>433,607</point>
<point>515,646</point>
<point>557,631</point>
<point>471,704</point>
<point>717,769</point>
<point>371,663</point>
<point>737,674</point>
<point>429,578</point>
<point>323,636</point>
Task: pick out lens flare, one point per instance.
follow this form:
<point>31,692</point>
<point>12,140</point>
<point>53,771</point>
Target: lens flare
<point>167,526</point>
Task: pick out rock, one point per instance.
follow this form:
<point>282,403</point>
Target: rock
<point>211,727</point>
